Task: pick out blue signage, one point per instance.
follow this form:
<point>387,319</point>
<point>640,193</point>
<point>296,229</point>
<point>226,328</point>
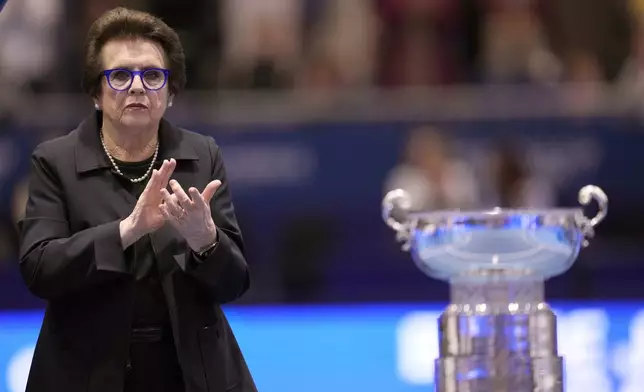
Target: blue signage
<point>389,348</point>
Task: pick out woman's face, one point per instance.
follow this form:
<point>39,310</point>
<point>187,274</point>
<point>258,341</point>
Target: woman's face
<point>136,107</point>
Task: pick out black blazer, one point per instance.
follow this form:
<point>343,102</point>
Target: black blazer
<point>71,256</point>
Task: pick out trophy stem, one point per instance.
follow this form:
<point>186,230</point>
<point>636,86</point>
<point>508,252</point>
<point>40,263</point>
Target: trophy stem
<point>497,294</point>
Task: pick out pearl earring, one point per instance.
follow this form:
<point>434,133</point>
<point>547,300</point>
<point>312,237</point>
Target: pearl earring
<point>170,103</point>
<point>96,106</point>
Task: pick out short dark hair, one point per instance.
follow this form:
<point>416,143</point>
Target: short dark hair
<point>122,22</point>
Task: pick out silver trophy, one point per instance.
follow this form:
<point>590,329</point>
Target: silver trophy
<point>497,334</point>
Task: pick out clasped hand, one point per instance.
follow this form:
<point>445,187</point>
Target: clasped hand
<point>189,213</point>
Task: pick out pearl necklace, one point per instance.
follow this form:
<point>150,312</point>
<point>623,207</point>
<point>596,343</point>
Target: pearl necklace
<point>134,180</point>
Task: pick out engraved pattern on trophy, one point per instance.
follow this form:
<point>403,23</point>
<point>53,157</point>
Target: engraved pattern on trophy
<point>497,334</point>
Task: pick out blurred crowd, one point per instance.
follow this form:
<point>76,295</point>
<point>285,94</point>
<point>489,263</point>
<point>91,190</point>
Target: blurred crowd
<point>437,178</point>
<point>333,44</point>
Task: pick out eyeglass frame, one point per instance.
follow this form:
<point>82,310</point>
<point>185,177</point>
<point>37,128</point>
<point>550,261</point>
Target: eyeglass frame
<point>134,74</point>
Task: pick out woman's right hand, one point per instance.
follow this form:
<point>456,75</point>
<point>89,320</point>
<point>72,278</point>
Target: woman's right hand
<point>146,216</point>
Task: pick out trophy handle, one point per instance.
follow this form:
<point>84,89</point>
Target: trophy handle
<point>586,195</point>
<point>395,207</point>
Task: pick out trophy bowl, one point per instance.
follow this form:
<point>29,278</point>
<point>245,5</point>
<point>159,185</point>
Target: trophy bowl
<point>497,334</point>
<point>520,242</point>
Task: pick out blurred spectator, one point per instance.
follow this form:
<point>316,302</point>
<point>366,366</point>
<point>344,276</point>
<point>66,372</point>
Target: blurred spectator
<point>345,34</point>
<point>631,80</point>
<point>419,43</point>
<point>319,80</point>
<point>432,175</point>
<point>261,43</point>
<point>28,47</point>
<point>514,45</point>
<point>593,40</point>
<point>592,37</point>
<point>514,183</point>
<point>319,71</point>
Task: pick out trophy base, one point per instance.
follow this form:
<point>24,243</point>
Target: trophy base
<point>509,373</point>
<point>498,336</point>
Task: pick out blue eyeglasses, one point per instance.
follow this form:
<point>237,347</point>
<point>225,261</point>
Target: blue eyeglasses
<point>120,79</point>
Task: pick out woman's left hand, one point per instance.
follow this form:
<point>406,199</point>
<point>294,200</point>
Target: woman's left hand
<point>190,215</point>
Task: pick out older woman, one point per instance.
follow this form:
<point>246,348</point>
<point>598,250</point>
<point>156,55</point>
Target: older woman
<point>130,234</point>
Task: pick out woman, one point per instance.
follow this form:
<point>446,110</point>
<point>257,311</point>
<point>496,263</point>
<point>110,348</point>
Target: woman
<point>133,273</point>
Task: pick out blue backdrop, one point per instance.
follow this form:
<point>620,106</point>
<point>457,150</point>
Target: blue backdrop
<point>388,348</point>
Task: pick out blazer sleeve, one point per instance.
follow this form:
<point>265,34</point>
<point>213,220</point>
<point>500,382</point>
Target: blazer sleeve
<point>53,261</point>
<point>225,271</point>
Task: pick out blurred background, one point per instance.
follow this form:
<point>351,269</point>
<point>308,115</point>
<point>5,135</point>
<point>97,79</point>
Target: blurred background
<point>320,107</point>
